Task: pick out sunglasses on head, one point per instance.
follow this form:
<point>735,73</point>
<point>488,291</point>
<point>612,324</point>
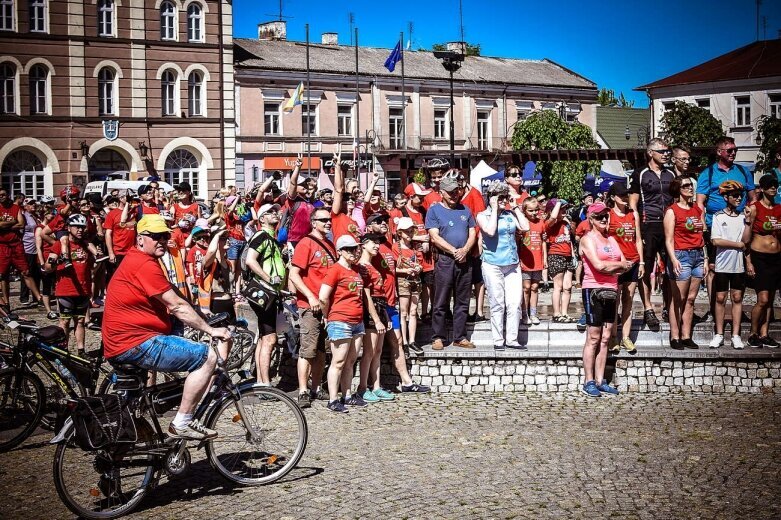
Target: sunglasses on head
<point>158,236</point>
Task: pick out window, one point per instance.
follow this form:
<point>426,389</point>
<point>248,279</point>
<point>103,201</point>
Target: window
<point>440,124</point>
<point>38,77</point>
<point>194,23</point>
<point>483,120</point>
<point>523,109</point>
<point>6,15</point>
<point>775,105</point>
<point>169,91</point>
<point>667,105</point>
<point>195,94</point>
<point>167,21</point>
<point>106,78</point>
<point>182,166</point>
<point>106,18</point>
<point>37,15</point>
<point>743,111</point>
<point>344,116</point>
<point>23,173</point>
<point>396,127</point>
<point>271,119</point>
<point>703,103</point>
<point>7,88</point>
<point>309,117</point>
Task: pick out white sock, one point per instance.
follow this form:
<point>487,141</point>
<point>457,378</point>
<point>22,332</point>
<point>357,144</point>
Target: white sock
<point>182,419</point>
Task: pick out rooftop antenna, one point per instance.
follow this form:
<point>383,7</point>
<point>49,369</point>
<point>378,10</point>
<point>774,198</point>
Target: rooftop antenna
<point>410,28</point>
<point>759,4</point>
<point>280,16</point>
<point>461,17</point>
<point>351,21</point>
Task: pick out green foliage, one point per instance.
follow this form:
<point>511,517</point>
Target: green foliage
<point>544,130</point>
<point>690,125</point>
<point>471,50</point>
<point>769,130</point>
<point>420,177</point>
<point>607,98</point>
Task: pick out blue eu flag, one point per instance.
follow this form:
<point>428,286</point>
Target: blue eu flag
<point>393,58</point>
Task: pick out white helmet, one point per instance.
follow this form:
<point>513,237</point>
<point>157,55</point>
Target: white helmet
<point>47,199</point>
<point>78,220</point>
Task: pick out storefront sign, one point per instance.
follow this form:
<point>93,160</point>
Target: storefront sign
<point>288,163</point>
<point>348,164</point>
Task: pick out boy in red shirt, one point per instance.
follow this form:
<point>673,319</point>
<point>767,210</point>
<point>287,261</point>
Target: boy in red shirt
<point>533,259</point>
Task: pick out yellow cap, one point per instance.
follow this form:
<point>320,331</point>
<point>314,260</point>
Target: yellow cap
<point>152,223</point>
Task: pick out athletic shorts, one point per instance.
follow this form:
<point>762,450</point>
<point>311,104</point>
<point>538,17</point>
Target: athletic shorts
<point>598,312</point>
<point>13,255</point>
<point>267,320</point>
<point>653,241</point>
<point>723,282</point>
<point>629,276</point>
<point>73,306</point>
<point>427,278</point>
<point>393,317</point>
<point>166,354</point>
<point>768,271</point>
<point>312,339</point>
<point>477,270</point>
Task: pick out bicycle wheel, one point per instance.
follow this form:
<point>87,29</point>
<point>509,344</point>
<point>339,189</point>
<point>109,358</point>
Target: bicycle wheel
<point>242,348</point>
<point>22,401</point>
<point>103,483</point>
<point>273,448</point>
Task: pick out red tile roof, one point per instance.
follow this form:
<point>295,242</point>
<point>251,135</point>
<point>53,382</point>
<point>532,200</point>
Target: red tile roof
<point>758,60</point>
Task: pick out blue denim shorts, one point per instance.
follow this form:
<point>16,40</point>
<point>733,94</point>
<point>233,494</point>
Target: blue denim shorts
<point>393,315</point>
<point>166,354</point>
<point>235,247</point>
<point>692,264</point>
<point>339,330</point>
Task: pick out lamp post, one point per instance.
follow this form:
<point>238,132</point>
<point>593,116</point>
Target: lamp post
<point>452,62</point>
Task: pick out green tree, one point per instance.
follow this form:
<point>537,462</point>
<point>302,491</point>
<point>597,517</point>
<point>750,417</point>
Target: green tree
<point>690,125</point>
<point>545,130</point>
<point>607,98</point>
<point>769,131</point>
<point>471,50</point>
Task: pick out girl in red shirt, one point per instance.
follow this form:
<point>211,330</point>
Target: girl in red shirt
<point>533,259</point>
<point>409,266</point>
<point>684,224</point>
<point>560,258</point>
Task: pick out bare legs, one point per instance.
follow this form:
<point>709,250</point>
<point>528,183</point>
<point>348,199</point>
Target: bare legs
<point>595,351</point>
<point>263,350</point>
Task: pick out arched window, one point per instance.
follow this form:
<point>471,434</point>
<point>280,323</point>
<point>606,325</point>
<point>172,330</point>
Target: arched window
<point>37,15</point>
<point>7,88</point>
<point>7,15</point>
<point>23,173</point>
<point>39,75</point>
<point>106,12</point>
<point>195,92</point>
<point>169,92</point>
<point>168,21</point>
<point>182,166</point>
<point>106,91</point>
<point>195,23</point>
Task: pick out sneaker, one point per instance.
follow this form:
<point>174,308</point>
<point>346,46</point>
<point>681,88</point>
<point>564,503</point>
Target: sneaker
<point>53,316</point>
<point>581,321</point>
<point>369,396</point>
<point>676,344</point>
<point>754,341</point>
<point>535,320</point>
<point>464,343</point>
<point>304,401</point>
<point>355,400</point>
<point>517,346</point>
<point>415,388</point>
<point>650,319</point>
<point>665,315</point>
<point>499,347</point>
<point>417,349</point>
<point>194,431</point>
<point>383,395</point>
<point>717,341</point>
<point>438,344</point>
<point>629,345</point>
<point>319,395</point>
<point>605,388</point>
<point>689,343</point>
<point>337,406</point>
<point>590,389</point>
<point>737,343</point>
<point>705,318</point>
<point>527,320</point>
<point>769,342</point>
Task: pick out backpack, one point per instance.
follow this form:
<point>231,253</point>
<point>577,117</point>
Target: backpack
<point>247,273</point>
<point>285,221</point>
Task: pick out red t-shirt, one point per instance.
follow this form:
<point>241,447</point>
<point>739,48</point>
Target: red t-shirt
<point>235,227</point>
<point>766,220</point>
<point>192,209</point>
<point>347,294</point>
<point>132,314</point>
<point>419,220</point>
<point>46,247</point>
<point>385,263</point>
<point>149,210</point>
<point>342,224</point>
<point>195,262</point>
<point>531,247</point>
<point>558,236</point>
<point>123,238</point>
<point>373,279</point>
<point>583,228</point>
<point>474,201</point>
<point>406,258</point>
<point>314,262</point>
<point>9,214</point>
<point>623,230</point>
<point>179,236</point>
<point>75,280</point>
<point>57,223</point>
<point>689,226</point>
<point>431,199</point>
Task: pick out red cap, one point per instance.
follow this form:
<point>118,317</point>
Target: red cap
<point>414,188</point>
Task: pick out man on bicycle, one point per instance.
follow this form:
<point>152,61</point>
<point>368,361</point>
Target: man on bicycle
<point>137,325</point>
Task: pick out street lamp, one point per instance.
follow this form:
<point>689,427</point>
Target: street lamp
<point>627,133</point>
<point>452,62</point>
<point>143,149</point>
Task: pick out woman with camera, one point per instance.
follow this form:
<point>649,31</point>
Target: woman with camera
<point>501,267</point>
<point>603,261</point>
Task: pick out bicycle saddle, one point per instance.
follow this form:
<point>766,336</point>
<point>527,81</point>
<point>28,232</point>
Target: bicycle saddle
<point>126,369</point>
<point>217,319</point>
<point>48,334</point>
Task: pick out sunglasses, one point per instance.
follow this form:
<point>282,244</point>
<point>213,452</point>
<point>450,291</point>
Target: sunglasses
<point>513,174</point>
<point>602,217</point>
<point>157,237</point>
<point>687,185</point>
<point>351,250</point>
<point>735,194</point>
<point>663,151</point>
<point>730,151</point>
<point>323,220</point>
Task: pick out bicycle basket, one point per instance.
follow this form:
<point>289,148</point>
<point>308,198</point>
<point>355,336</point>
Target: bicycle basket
<point>101,421</point>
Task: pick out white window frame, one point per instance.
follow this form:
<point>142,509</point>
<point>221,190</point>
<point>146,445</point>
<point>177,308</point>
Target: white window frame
<point>173,16</point>
<point>14,84</point>
<point>200,98</point>
<point>274,115</point>
<point>28,180</point>
<point>314,113</point>
<point>114,109</point>
<point>441,126</point>
<point>703,103</point>
<point>192,175</point>
<point>523,109</point>
<point>396,127</point>
<point>774,105</point>
<point>341,116</point>
<point>484,141</point>
<point>7,15</point>
<point>34,99</point>
<point>43,7</point>
<point>107,8</point>
<point>742,112</point>
<point>195,24</point>
<point>174,85</point>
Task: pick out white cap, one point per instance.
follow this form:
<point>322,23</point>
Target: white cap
<point>346,241</point>
<point>265,208</point>
<point>405,223</point>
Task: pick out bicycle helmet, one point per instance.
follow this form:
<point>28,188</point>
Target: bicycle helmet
<point>47,199</point>
<point>437,163</point>
<point>78,220</point>
<point>498,188</point>
<point>69,192</point>
<point>730,186</point>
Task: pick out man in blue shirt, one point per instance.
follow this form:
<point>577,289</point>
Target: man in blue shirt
<point>451,227</point>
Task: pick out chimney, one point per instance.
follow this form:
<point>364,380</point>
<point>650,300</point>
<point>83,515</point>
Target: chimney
<point>276,30</point>
<point>330,38</point>
<point>459,47</point>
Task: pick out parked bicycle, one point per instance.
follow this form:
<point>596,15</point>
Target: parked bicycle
<point>262,435</point>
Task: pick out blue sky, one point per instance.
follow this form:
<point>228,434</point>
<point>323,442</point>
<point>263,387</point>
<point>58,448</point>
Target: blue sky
<point>617,44</point>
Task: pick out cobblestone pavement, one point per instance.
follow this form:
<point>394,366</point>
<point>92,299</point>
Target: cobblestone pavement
<point>486,456</point>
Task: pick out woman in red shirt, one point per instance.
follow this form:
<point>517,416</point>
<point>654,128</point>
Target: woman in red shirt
<point>623,226</point>
<point>560,258</point>
<point>341,297</point>
<point>684,224</point>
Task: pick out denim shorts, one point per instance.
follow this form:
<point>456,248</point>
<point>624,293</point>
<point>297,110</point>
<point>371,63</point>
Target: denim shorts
<point>692,264</point>
<point>235,247</point>
<point>393,315</point>
<point>340,330</point>
<point>166,354</point>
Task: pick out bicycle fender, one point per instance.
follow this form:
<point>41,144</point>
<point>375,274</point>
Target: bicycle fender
<point>63,431</point>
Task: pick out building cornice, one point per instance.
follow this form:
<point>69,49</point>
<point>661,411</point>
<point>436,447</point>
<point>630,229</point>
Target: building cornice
<point>44,119</point>
<point>121,42</point>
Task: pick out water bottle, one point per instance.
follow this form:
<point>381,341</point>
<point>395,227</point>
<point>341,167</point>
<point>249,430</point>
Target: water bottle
<point>63,370</point>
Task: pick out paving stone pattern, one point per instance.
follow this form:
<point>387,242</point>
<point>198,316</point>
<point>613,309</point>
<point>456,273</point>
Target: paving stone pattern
<point>505,455</point>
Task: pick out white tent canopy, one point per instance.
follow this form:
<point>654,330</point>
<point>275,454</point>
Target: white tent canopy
<point>479,172</point>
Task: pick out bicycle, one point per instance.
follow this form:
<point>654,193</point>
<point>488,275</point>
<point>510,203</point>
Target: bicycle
<point>40,375</point>
<point>243,341</point>
<point>262,435</point>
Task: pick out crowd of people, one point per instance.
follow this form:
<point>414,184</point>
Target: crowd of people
<point>365,270</point>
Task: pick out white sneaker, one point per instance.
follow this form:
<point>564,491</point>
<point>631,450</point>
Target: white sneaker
<point>535,320</point>
<point>737,343</point>
<point>717,341</point>
<point>194,430</point>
